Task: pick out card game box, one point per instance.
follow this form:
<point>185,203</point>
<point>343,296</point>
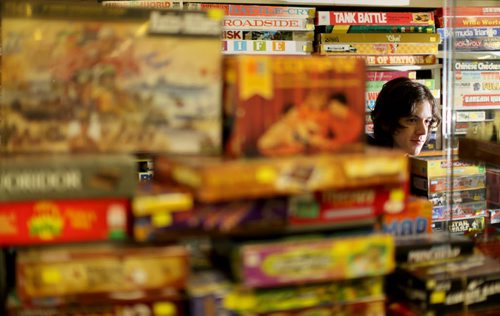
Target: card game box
<point>284,105</point>
<point>78,76</point>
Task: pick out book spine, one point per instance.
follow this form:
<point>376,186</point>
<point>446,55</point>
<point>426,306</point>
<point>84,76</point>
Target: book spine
<point>378,38</point>
<point>72,177</point>
<point>374,18</point>
<point>268,24</point>
<point>257,10</point>
<point>56,221</point>
<point>379,49</point>
<point>268,35</point>
<point>266,47</point>
<point>376,29</point>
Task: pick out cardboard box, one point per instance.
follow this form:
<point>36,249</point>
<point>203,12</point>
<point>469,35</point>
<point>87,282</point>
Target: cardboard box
<point>435,167</point>
<point>76,272</point>
<point>213,179</point>
<point>58,221</point>
<point>347,205</point>
<point>289,105</point>
<point>307,261</point>
<point>107,79</point>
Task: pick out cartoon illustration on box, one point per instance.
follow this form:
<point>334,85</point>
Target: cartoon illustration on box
<point>104,86</point>
<point>289,105</point>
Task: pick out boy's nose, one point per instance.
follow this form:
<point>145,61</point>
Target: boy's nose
<point>421,127</point>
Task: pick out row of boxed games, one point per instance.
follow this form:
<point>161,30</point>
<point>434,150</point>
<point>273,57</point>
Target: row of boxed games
<point>444,276</point>
<point>434,275</point>
<point>256,29</point>
<point>148,97</point>
<point>93,275</point>
<point>90,197</point>
<point>458,191</point>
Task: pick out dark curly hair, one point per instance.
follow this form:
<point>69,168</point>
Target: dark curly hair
<point>397,99</point>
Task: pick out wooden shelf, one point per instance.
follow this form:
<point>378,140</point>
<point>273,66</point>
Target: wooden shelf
<point>343,3</point>
<point>479,151</point>
<point>428,153</point>
<point>492,55</point>
<point>404,67</point>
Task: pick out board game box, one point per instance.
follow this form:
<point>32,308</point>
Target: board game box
<point>67,176</point>
<point>78,76</point>
<point>284,105</point>
<point>215,179</point>
<point>58,221</point>
<point>468,283</point>
<point>279,263</point>
<point>95,271</point>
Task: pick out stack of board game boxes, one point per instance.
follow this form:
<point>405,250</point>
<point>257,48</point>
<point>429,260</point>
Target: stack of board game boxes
<point>474,37</point>
<point>84,88</point>
<point>253,29</point>
<point>300,215</point>
<point>472,32</point>
<point>457,190</point>
<point>380,38</point>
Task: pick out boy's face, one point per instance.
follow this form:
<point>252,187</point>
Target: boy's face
<point>411,138</point>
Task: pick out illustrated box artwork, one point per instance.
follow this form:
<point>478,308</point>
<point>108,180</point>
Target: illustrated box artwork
<point>286,105</point>
<point>88,78</point>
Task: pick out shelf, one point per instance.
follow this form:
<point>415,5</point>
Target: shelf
<point>479,151</point>
<point>430,153</point>
<point>345,3</point>
<point>404,67</point>
<point>492,55</point>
